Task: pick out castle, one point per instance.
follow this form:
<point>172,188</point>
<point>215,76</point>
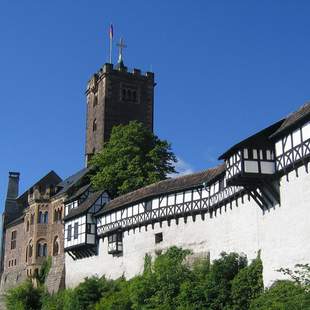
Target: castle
<point>257,199</point>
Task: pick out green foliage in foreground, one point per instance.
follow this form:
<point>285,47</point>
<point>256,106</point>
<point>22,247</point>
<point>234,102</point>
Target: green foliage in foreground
<point>24,297</point>
<point>134,157</point>
<point>170,282</point>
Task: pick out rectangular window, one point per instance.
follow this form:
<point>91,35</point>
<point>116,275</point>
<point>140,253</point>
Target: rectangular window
<point>76,230</point>
<point>69,233</point>
<point>148,205</point>
<point>254,154</point>
<point>88,228</point>
<point>245,154</point>
<point>13,239</point>
<point>158,237</point>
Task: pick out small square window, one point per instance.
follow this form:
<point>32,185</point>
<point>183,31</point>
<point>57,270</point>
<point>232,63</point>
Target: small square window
<point>158,237</point>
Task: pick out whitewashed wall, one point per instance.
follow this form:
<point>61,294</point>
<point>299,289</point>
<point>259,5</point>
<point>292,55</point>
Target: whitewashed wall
<point>282,234</point>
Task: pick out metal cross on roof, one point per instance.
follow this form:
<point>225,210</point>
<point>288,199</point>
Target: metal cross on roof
<point>121,45</point>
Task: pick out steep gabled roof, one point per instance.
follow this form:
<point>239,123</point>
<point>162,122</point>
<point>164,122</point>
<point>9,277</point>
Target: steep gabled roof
<point>14,208</point>
<point>83,207</point>
<point>71,181</point>
<point>258,138</point>
<point>166,186</point>
<point>294,119</point>
<point>51,177</point>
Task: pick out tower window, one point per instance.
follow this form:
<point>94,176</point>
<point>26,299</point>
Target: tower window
<point>129,94</point>
<point>94,125</point>
<point>95,102</point>
<point>13,239</point>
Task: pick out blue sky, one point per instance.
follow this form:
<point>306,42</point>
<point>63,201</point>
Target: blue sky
<point>224,69</point>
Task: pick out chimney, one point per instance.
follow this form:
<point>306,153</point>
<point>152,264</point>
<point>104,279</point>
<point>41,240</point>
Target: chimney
<point>13,185</point>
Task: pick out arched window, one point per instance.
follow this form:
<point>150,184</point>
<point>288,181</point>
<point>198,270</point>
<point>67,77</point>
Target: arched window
<point>40,217</point>
<point>94,125</point>
<point>31,219</point>
<point>30,247</point>
<point>56,246</point>
<point>45,217</point>
<point>41,248</point>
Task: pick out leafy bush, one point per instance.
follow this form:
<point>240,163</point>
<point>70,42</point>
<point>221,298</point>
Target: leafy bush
<point>247,285</point>
<point>283,295</point>
<point>170,283</point>
<point>24,297</point>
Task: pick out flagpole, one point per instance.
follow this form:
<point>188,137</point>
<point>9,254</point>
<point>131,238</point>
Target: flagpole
<point>111,41</point>
<point>110,49</point>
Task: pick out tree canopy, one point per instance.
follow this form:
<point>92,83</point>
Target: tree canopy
<point>134,157</point>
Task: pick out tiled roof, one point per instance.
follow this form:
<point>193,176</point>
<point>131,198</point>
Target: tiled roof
<point>293,119</point>
<point>165,186</point>
<point>78,193</point>
<point>69,182</point>
<point>258,138</point>
<point>83,207</point>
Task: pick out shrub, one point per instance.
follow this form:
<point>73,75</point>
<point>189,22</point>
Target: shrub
<point>24,297</point>
<point>247,285</point>
<point>283,295</point>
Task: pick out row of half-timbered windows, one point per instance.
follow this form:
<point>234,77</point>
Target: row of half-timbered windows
<point>164,201</point>
<point>258,154</point>
<point>293,147</point>
<point>211,194</point>
<point>293,139</point>
<point>76,231</point>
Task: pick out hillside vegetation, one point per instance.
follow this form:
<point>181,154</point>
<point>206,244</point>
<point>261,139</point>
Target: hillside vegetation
<point>169,282</point>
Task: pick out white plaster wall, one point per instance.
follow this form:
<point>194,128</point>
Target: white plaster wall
<point>282,234</point>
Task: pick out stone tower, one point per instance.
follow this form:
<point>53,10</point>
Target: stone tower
<point>116,95</point>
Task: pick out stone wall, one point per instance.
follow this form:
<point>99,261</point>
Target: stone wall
<point>14,271</point>
<point>56,277</point>
<point>282,234</point>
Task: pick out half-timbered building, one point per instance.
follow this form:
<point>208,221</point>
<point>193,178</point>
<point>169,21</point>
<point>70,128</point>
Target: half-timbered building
<point>258,199</point>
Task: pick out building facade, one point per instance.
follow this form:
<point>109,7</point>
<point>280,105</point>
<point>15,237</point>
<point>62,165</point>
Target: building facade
<point>257,200</point>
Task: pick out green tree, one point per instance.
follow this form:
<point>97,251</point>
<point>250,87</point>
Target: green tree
<point>247,285</point>
<point>283,295</point>
<point>158,287</point>
<point>192,291</point>
<point>219,281</point>
<point>116,299</point>
<point>134,157</point>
